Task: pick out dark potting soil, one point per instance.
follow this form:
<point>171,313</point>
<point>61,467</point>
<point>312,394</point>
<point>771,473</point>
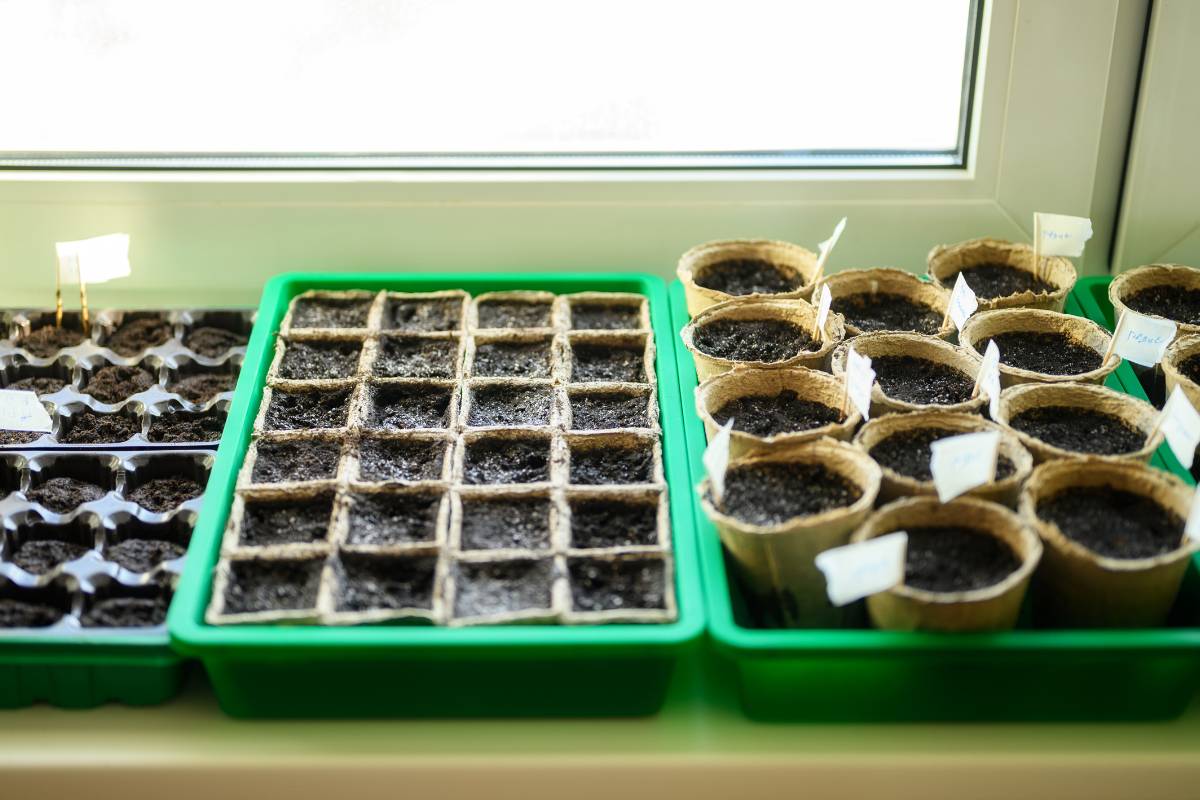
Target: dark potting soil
<point>507,461</point>
<point>409,407</point>
<point>272,522</point>
<point>497,587</point>
<point>1079,430</point>
<point>384,518</point>
<point>423,316</point>
<point>19,437</point>
<point>114,384</point>
<point>213,342</point>
<point>908,452</point>
<point>143,555</point>
<point>770,415</point>
<point>613,523</point>
<point>1047,352</point>
<point>40,386</point>
<point>400,460</point>
<point>126,612</point>
<point>202,387</point>
<point>1172,302</point>
<point>608,362</point>
<point>509,406</point>
<point>764,340</point>
<point>1113,522</point>
<point>277,462</point>
<point>303,360</point>
<point>883,311</point>
<point>163,494</point>
<point>38,557</point>
<point>956,559</point>
<point>184,426</point>
<point>313,312</point>
<point>295,411</point>
<point>1190,367</point>
<point>89,427</point>
<point>518,523</point>
<point>768,494</point>
<point>272,585</point>
<point>64,494</point>
<point>602,317</point>
<point>918,380</point>
<point>603,585</point>
<point>19,614</point>
<point>46,341</point>
<point>513,314</point>
<point>410,357</point>
<point>742,276</point>
<point>512,360</point>
<point>593,466</point>
<point>596,411</point>
<point>370,582</point>
<point>138,334</point>
<point>989,281</point>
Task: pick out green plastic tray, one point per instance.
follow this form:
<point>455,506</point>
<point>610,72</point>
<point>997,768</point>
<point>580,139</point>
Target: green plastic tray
<point>518,670</point>
<point>75,671</point>
<point>875,676</point>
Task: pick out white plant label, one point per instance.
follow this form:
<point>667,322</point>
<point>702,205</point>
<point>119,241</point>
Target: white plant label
<point>94,260</point>
<point>960,463</point>
<point>716,459</point>
<point>963,302</point>
<point>823,307</point>
<point>1180,424</point>
<point>22,411</point>
<point>1192,529</point>
<point>826,247</point>
<point>865,568</point>
<point>860,377</point>
<point>989,378</point>
<point>1061,235</point>
<point>1142,339</point>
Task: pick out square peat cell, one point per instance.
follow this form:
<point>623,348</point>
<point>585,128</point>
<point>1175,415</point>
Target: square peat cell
<point>382,460</point>
<point>377,582</point>
<point>388,518</point>
<point>330,312</point>
<point>510,406</point>
<point>416,357</point>
<point>305,460</point>
<point>494,523</point>
<point>600,410</point>
<point>498,587</point>
<point>605,317</point>
<point>506,460</point>
<point>512,359</point>
<point>275,522</point>
<point>319,360</point>
<point>409,406</point>
<point>513,314</point>
<point>596,464</point>
<point>608,362</point>
<point>275,585</point>
<point>610,522</point>
<point>617,585</point>
<point>422,315</point>
<point>298,411</point>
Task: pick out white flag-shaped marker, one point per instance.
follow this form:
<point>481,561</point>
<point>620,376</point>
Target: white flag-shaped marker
<point>1142,339</point>
<point>826,247</point>
<point>860,377</point>
<point>823,308</point>
<point>22,411</point>
<point>963,302</point>
<point>865,568</point>
<point>960,463</point>
<point>1061,235</point>
<point>94,260</point>
<point>716,459</point>
<point>1180,424</point>
<point>989,378</point>
<point>1192,529</point>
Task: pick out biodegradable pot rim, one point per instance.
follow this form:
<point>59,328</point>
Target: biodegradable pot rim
<point>1169,272</point>
<point>917,342</point>
<point>1183,348</point>
<point>1038,320</point>
<point>832,334</point>
<point>1016,254</point>
<point>802,263</point>
<point>892,280</point>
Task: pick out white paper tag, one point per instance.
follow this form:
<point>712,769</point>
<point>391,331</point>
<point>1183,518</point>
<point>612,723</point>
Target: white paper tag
<point>860,377</point>
<point>1192,528</point>
<point>963,302</point>
<point>22,411</point>
<point>960,463</point>
<point>1142,339</point>
<point>1061,235</point>
<point>989,378</point>
<point>1180,424</point>
<point>865,568</point>
<point>716,459</point>
<point>94,260</point>
<point>826,247</point>
<point>823,307</point>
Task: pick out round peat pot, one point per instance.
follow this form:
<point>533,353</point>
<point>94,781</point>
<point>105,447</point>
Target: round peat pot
<point>1002,274</point>
<point>763,334</point>
<point>780,509</point>
<point>1181,367</point>
<point>1076,420</point>
<point>984,580</point>
<point>1115,549</point>
<point>1166,291</point>
<point>760,269</point>
<point>775,408</point>
<point>920,373</point>
<point>887,299</point>
<point>905,433</point>
<point>1041,346</point>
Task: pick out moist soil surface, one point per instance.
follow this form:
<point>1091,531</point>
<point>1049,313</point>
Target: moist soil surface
<point>19,437</point>
<point>742,276</point>
<point>202,387</point>
<point>513,314</point>
<point>602,317</point>
<point>508,523</point>
<point>497,587</point>
<point>19,614</point>
<point>40,556</point>
<point>43,385</point>
<point>1172,302</point>
<point>315,312</point>
<point>595,466</point>
<point>64,494</point>
<point>297,411</point>
<point>400,460</point>
<point>762,340</point>
<point>771,493</point>
<point>507,461</point>
<point>423,316</point>
<point>908,452</point>
<point>883,311</point>
<point>509,406</point>
<point>597,411</point>
<point>407,357</point>
<point>603,585</point>
<point>272,522</point>
<point>277,462</point>
<point>143,555</point>
<point>1047,352</point>
<point>272,585</point>
<point>126,612</point>
<point>163,494</point>
<point>771,415</point>
<point>1190,367</point>
<point>46,341</point>
<point>593,363</point>
<point>990,281</point>
<point>613,523</point>
<point>184,426</point>
<point>213,342</point>
<point>114,384</point>
<point>1113,522</point>
<point>316,360</point>
<point>920,381</point>
<point>386,582</point>
<point>383,518</point>
<point>409,407</point>
<point>89,427</point>
<point>1079,430</point>
<point>956,559</point>
<point>512,360</point>
<point>136,335</point>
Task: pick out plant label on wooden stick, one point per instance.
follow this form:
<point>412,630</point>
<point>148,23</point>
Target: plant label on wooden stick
<point>1058,235</point>
<point>963,303</point>
<point>859,570</point>
<point>95,260</point>
<point>960,463</point>
<point>716,460</point>
<point>1141,339</point>
<point>858,381</point>
<point>826,247</point>
<point>987,379</point>
<point>823,306</point>
<point>22,411</point>
<point>1180,426</point>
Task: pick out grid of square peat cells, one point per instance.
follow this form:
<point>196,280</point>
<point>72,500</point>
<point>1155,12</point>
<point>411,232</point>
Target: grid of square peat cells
<point>461,461</point>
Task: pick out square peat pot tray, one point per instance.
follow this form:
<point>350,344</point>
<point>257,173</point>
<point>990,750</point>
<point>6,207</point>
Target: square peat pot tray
<point>864,675</point>
<point>413,668</point>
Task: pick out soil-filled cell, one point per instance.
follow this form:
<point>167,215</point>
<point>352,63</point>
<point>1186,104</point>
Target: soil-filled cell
<point>595,465</point>
<point>759,340</point>
<point>175,426</point>
<point>989,281</point>
<point>909,452</point>
<point>884,311</point>
<point>1173,302</point>
<point>126,612</point>
<point>203,387</point>
<point>503,460</point>
<point>408,407</point>
<point>41,385</point>
<point>384,518</point>
<point>62,495</point>
<point>617,585</point>
<point>401,460</point>
<point>276,522</point>
<point>47,340</point>
<point>415,357</point>
<point>21,614</point>
<point>513,314</point>
<point>512,360</point>
<point>138,333</point>
<point>1079,430</point>
<point>608,363</point>
<point>510,406</point>
<point>319,360</point>
<point>521,523</point>
<point>324,312</point>
<point>143,555</point>
<point>604,317</point>
<point>600,410</point>
<point>212,342</point>
<point>92,427</point>
<point>956,559</point>
<point>772,415</point>
<point>921,381</point>
<point>277,585</point>
<point>774,492</point>
<point>306,460</point>
<point>377,582</point>
<point>484,589</point>
<point>164,494</point>
<point>422,316</point>
<point>298,411</point>
<point>1047,352</point>
<point>743,276</point>
<point>1113,523</point>
<point>606,522</point>
<point>115,384</point>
